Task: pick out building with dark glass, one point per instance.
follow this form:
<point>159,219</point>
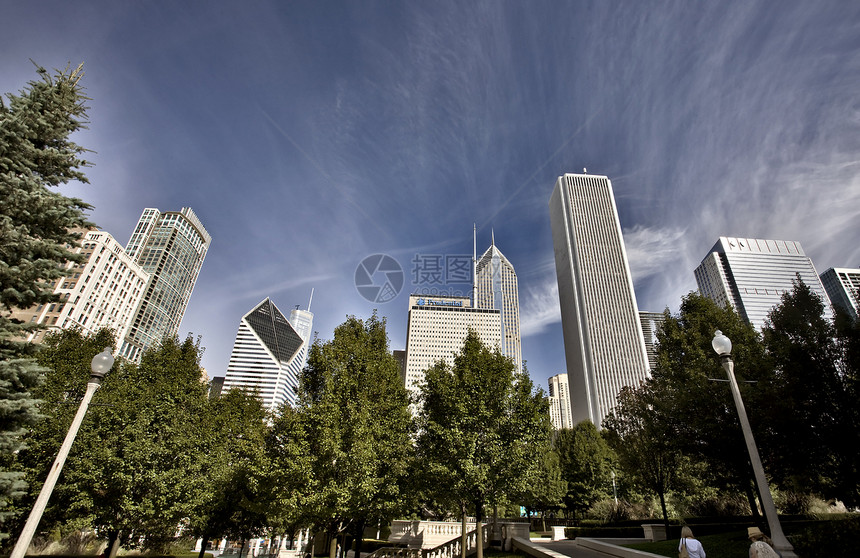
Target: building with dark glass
<point>269,354</point>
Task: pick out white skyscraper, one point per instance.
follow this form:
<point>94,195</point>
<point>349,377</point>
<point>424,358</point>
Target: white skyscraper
<point>496,287</point>
<point>559,402</point>
<point>102,292</point>
<point>843,287</point>
<point>651,324</point>
<point>170,246</point>
<point>603,341</point>
<point>269,354</point>
<point>751,275</point>
<point>438,326</point>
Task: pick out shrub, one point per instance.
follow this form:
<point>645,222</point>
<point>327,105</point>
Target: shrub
<point>827,538</point>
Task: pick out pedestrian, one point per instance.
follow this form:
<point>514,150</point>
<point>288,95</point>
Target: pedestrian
<point>689,546</point>
<point>762,546</point>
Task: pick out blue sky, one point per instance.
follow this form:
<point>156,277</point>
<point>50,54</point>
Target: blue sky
<point>308,135</point>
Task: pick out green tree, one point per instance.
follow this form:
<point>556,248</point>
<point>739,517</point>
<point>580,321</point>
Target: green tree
<point>36,225</point>
<point>848,337</point>
<point>638,432</point>
<point>238,494</point>
<point>545,486</point>
<point>800,407</point>
<point>353,412</point>
<point>586,464</point>
<point>480,425</point>
<point>694,398</point>
<point>135,470</point>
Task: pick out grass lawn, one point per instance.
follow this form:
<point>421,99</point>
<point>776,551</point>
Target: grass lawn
<point>726,545</point>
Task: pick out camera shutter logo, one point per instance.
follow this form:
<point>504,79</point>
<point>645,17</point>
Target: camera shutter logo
<point>379,278</point>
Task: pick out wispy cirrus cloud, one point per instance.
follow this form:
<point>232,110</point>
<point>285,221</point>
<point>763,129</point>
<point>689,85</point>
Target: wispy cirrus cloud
<point>539,308</point>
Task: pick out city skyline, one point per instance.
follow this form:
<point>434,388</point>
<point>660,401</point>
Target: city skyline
<point>308,136</point>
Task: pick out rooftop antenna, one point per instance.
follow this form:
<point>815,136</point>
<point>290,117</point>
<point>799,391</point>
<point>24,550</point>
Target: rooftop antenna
<point>492,237</point>
<point>311,300</point>
<point>474,263</point>
<point>584,170</point>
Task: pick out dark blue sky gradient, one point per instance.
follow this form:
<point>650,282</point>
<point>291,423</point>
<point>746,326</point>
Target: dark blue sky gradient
<point>308,135</point>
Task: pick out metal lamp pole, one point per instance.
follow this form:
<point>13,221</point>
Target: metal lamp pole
<point>100,365</point>
<point>723,346</point>
<point>614,491</point>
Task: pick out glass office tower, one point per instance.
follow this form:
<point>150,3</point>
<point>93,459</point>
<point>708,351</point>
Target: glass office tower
<point>171,247</point>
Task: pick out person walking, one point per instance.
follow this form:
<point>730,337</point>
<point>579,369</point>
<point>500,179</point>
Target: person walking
<point>689,547</point>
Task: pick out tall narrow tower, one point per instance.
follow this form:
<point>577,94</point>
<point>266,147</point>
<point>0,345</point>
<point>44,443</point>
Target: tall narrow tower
<point>496,289</point>
<point>170,247</point>
<point>603,342</point>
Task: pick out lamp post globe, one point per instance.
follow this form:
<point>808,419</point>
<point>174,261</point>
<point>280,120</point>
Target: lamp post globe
<point>101,363</point>
<point>723,346</point>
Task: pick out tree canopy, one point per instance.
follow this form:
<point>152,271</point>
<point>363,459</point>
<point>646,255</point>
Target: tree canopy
<point>480,427</point>
<point>353,419</point>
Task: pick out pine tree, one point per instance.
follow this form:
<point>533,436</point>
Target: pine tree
<point>36,233</point>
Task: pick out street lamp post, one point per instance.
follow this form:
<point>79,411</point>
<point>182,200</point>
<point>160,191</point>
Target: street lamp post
<point>614,492</point>
<point>723,346</point>
<point>100,365</point>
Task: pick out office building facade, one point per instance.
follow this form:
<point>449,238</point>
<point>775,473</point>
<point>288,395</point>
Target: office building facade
<point>437,328</point>
<point>651,323</point>
<point>496,288</point>
<point>842,285</point>
<point>603,342</point>
<point>751,274</point>
<point>171,247</point>
<point>102,292</point>
<point>269,354</point>
<point>559,402</point>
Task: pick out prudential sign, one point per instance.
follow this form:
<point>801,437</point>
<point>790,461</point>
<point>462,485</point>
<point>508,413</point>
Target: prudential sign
<point>431,302</point>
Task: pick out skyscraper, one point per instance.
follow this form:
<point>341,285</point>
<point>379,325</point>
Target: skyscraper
<point>651,324</point>
<point>751,274</point>
<point>496,288</point>
<point>559,402</point>
<point>102,292</point>
<point>438,326</point>
<point>170,247</point>
<point>269,354</point>
<point>843,287</point>
<point>603,342</point>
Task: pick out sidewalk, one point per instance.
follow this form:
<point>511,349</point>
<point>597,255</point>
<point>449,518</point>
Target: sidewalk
<point>589,548</point>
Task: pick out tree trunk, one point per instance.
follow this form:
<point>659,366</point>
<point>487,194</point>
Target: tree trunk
<point>359,537</point>
<point>113,544</point>
<point>479,528</point>
<point>241,546</point>
<point>665,513</point>
<point>751,497</point>
<point>463,533</point>
<point>497,535</point>
<point>332,546</point>
<point>203,546</point>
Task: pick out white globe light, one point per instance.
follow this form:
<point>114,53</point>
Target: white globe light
<point>102,362</point>
<point>721,344</point>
